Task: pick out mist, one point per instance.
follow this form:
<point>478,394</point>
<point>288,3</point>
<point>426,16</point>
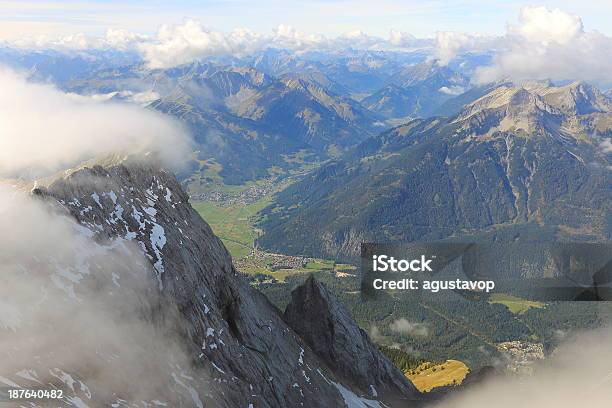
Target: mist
<point>82,316</point>
<point>44,130</point>
<point>79,313</point>
<point>578,374</point>
<point>405,327</point>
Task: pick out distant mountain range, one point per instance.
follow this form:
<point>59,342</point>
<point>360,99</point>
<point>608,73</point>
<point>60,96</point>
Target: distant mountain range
<point>276,110</point>
<point>60,67</point>
<point>417,91</point>
<point>246,123</point>
<point>251,120</point>
<point>359,72</point>
<point>521,162</point>
<point>268,112</point>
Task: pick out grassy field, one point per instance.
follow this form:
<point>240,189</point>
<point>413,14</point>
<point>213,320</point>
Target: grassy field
<point>515,304</point>
<point>208,179</point>
<point>234,225</point>
<point>428,376</point>
<point>264,263</point>
<point>282,274</point>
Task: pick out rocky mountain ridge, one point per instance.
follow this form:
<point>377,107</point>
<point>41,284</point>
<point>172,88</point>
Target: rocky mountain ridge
<point>244,121</point>
<point>241,351</point>
<point>417,91</point>
<point>513,163</point>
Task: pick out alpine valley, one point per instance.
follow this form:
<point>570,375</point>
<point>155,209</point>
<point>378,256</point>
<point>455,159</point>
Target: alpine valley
<point>233,281</point>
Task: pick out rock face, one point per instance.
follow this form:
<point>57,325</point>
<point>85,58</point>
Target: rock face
<point>243,353</point>
<point>329,330</point>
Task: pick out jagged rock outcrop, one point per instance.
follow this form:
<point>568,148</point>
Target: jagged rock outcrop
<point>577,98</point>
<point>328,328</point>
<point>243,353</point>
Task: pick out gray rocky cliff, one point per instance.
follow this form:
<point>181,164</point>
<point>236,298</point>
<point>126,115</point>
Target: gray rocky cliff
<point>243,353</point>
<point>328,328</point>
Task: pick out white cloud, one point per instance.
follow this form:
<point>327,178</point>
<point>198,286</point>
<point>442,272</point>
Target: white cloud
<point>450,44</point>
<point>401,39</point>
<point>288,37</point>
<point>551,44</point>
<point>43,129</point>
<point>77,41</point>
<point>403,326</point>
<point>543,44</point>
<point>180,44</point>
<point>452,90</point>
<point>123,39</point>
<point>375,334</point>
<point>577,374</point>
<point>140,98</point>
<point>543,24</point>
<point>358,39</point>
<point>69,302</point>
<point>115,38</point>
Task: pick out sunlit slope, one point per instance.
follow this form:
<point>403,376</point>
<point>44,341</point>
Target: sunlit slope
<point>428,376</point>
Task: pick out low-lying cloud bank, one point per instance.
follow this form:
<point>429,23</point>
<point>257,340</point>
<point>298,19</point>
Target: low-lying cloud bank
<point>115,38</point>
<point>543,44</point>
<point>179,44</point>
<point>43,129</point>
<point>578,375</point>
<point>76,314</point>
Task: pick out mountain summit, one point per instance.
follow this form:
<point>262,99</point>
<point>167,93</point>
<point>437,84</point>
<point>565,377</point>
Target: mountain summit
<point>327,327</point>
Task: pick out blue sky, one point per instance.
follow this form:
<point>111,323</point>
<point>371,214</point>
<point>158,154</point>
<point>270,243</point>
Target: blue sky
<point>330,17</point>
